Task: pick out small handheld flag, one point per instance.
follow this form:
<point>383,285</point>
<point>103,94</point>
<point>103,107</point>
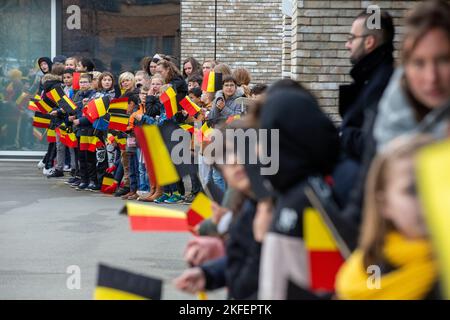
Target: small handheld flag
<point>201,209</point>
<point>153,218</point>
<point>169,100</point>
<point>117,284</point>
<point>190,106</point>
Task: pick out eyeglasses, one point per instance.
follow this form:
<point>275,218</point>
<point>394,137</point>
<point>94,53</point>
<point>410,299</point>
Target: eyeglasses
<point>352,37</point>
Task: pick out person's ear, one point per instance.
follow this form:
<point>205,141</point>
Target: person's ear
<point>370,43</point>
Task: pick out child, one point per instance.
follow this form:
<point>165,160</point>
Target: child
<point>68,81</point>
<point>131,151</point>
<point>83,127</point>
<point>194,81</point>
<point>394,238</point>
<point>71,63</point>
<point>105,86</point>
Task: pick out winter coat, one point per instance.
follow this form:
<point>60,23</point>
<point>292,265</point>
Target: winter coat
<point>239,270</point>
<point>358,101</point>
<point>231,108</point>
<point>308,146</point>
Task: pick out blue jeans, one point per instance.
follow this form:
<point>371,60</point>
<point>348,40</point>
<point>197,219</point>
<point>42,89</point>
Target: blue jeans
<point>144,184</point>
<point>217,179</point>
<point>134,171</point>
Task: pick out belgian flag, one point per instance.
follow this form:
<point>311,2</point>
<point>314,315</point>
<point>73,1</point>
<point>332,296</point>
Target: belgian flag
<point>212,81</point>
<point>67,104</point>
<point>187,127</point>
<point>190,106</point>
<point>433,177</point>
<point>118,122</point>
<point>144,217</point>
<point>76,81</point>
<point>51,136</point>
<point>55,94</point>
<point>118,106</point>
<point>117,284</point>
<point>201,209</point>
<point>324,255</point>
<point>96,108</point>
<point>107,181</point>
<point>169,100</point>
<point>41,120</point>
<point>90,143</point>
<point>44,105</point>
<point>66,136</point>
<point>156,145</point>
<point>37,134</point>
<point>32,103</point>
<point>22,100</point>
<point>58,96</point>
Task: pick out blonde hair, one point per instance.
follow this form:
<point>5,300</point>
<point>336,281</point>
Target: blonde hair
<point>223,68</point>
<point>374,226</point>
<point>158,77</point>
<point>127,76</point>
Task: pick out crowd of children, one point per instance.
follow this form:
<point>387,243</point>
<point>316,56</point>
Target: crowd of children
<point>262,247</point>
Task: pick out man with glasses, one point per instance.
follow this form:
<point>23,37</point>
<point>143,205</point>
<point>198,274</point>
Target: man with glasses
<point>371,54</point>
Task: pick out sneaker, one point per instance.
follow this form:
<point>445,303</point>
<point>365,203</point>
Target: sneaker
<point>41,165</point>
<point>82,186</point>
<point>46,172</point>
<point>56,174</point>
<point>75,184</point>
<point>161,199</point>
<point>121,192</point>
<point>67,168</point>
<point>190,198</point>
<point>72,180</point>
<point>175,198</point>
<point>93,187</point>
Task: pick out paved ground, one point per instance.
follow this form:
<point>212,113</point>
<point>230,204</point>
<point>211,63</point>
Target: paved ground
<point>46,226</point>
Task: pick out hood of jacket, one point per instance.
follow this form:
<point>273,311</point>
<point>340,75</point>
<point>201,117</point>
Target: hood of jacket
<point>308,140</point>
<point>49,62</point>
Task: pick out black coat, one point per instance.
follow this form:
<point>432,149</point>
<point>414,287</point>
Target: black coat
<point>239,270</point>
<point>358,101</point>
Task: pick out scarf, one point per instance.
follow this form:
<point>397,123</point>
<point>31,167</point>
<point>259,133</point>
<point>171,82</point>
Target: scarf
<point>414,275</point>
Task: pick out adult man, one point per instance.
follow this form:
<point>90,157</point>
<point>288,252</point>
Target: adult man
<point>371,53</point>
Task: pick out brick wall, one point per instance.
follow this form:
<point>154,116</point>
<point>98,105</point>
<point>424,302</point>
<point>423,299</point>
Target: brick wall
<point>319,31</point>
<point>249,34</point>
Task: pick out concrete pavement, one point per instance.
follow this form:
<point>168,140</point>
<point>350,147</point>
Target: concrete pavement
<point>46,226</point>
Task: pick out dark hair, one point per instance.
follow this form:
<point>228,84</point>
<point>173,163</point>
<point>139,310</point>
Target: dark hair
<point>258,89</point>
<point>88,63</point>
<point>173,70</point>
<point>105,74</point>
<point>196,67</point>
<point>197,91</point>
<point>133,97</point>
<point>57,69</point>
<point>70,70</point>
<point>385,34</point>
<point>195,78</point>
<point>229,78</point>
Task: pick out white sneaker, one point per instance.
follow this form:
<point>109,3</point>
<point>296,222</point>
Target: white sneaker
<point>66,168</point>
<point>47,172</point>
<point>41,165</point>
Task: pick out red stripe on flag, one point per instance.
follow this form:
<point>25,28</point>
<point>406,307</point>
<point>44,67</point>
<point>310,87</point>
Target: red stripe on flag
<point>193,218</point>
<point>158,224</point>
<point>324,266</point>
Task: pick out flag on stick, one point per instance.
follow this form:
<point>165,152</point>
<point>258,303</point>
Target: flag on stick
<point>169,100</point>
<point>117,284</point>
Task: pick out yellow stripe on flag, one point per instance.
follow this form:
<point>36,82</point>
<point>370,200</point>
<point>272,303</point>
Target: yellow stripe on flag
<point>104,293</point>
<point>202,205</point>
<point>142,210</point>
<point>316,234</point>
<point>55,95</point>
<point>165,171</point>
<point>433,177</point>
<point>117,119</point>
<point>211,82</point>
